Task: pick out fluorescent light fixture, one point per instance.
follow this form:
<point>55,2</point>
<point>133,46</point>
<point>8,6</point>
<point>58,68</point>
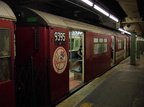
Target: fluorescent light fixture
<point>88,2</point>
<point>101,10</point>
<point>120,29</point>
<point>127,32</point>
<point>98,8</point>
<point>113,18</point>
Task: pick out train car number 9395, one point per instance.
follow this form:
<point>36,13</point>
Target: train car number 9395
<point>59,38</point>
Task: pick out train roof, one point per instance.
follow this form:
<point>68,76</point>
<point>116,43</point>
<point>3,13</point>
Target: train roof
<point>50,19</point>
<point>6,13</point>
<point>57,21</point>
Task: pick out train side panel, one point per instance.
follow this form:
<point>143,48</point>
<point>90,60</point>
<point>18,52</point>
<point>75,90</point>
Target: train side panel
<point>31,65</point>
<point>48,47</point>
<point>7,90</point>
<point>97,54</point>
<point>7,96</point>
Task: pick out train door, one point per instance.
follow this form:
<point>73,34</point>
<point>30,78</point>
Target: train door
<point>125,48</point>
<point>59,70</point>
<point>76,59</point>
<point>112,50</point>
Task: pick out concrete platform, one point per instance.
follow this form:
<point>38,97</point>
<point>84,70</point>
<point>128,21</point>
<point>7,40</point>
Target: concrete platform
<point>122,86</point>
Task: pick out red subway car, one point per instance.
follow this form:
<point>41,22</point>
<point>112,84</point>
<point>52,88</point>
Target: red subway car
<point>56,55</point>
<point>7,28</point>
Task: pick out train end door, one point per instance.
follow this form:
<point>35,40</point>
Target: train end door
<point>58,60</point>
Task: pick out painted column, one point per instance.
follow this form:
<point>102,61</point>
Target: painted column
<point>132,50</point>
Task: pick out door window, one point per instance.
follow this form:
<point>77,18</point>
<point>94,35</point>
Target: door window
<point>4,54</point>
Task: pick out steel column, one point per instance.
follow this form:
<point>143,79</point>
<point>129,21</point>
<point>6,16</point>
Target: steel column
<point>132,50</point>
<point>138,49</point>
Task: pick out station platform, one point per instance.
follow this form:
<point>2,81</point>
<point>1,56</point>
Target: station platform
<point>122,86</point>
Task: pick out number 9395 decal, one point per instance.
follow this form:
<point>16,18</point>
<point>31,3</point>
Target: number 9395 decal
<point>59,38</point>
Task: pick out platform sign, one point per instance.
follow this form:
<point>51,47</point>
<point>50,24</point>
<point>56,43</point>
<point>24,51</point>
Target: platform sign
<point>59,60</point>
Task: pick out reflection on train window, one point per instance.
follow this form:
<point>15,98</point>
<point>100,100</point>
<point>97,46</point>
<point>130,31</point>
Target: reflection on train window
<point>119,44</point>
<point>97,48</point>
<point>105,40</point>
<point>4,54</point>
<point>4,69</point>
<point>101,40</point>
<point>100,45</point>
<point>105,47</point>
<point>95,40</point>
<point>4,42</point>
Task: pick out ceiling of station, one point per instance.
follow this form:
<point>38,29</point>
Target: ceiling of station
<point>135,12</point>
<point>129,12</point>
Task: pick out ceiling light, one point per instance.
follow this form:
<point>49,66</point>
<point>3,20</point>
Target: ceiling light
<point>120,29</point>
<point>101,10</point>
<point>124,31</point>
<point>113,18</point>
<point>127,32</point>
<point>88,2</point>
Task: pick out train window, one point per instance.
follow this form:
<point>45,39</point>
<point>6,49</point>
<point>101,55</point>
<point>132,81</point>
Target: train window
<point>105,40</point>
<point>95,40</point>
<point>97,48</point>
<point>105,47</point>
<point>100,48</point>
<point>75,43</point>
<point>100,45</point>
<point>4,54</point>
<point>4,42</point>
<point>4,69</point>
<point>119,44</point>
<point>100,39</point>
<point>75,40</point>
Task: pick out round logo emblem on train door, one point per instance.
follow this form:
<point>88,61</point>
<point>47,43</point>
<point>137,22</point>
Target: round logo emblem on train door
<point>60,60</point>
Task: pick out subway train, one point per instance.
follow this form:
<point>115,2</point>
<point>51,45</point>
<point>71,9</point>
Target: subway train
<point>54,57</point>
<point>47,48</point>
